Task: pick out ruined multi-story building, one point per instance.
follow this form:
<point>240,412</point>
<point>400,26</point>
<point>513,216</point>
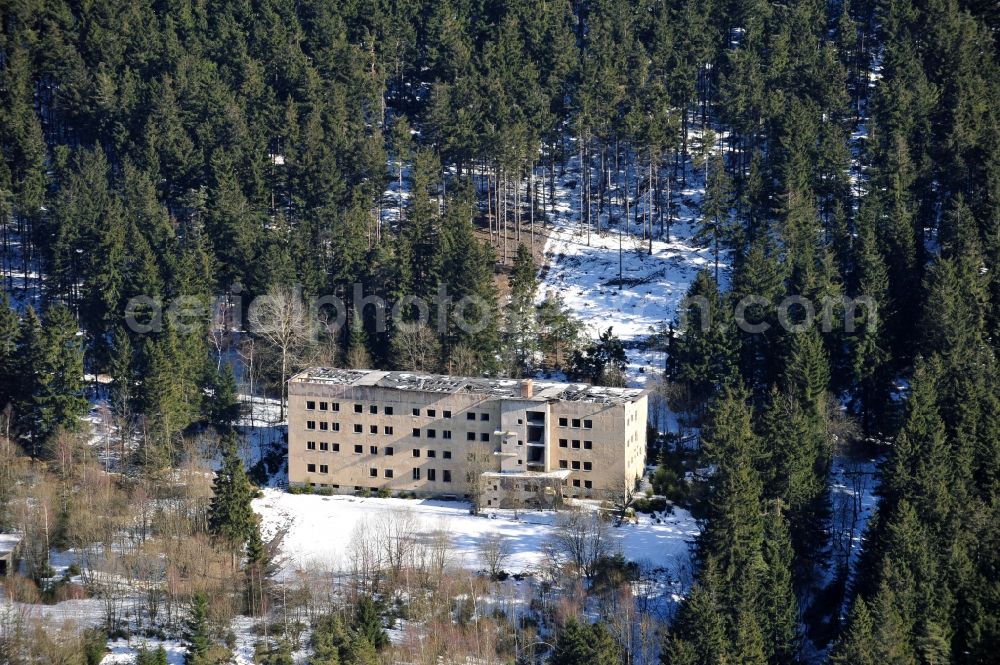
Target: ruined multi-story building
<point>496,441</point>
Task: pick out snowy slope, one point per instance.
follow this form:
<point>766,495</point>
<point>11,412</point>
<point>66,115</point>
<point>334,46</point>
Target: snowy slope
<point>584,268</point>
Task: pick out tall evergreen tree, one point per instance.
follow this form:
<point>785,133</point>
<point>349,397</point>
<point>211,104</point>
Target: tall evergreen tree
<point>230,516</point>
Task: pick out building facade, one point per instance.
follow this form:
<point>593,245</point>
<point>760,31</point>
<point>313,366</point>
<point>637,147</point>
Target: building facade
<point>497,441</point>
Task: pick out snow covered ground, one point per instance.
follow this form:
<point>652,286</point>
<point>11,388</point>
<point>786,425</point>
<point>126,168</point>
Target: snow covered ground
<point>320,528</point>
<point>123,652</point>
<point>616,277</point>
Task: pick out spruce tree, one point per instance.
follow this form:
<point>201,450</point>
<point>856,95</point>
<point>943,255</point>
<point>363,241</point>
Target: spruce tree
<point>857,645</point>
<point>8,351</point>
<point>368,623</point>
<point>197,636</point>
<point>779,621</point>
<point>521,309</point>
<point>698,635</point>
<point>582,644</point>
<point>225,403</point>
<point>230,515</point>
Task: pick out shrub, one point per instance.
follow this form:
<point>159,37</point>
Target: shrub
<point>650,505</point>
<point>95,645</point>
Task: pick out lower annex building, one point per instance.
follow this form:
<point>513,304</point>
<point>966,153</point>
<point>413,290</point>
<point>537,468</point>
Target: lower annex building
<point>497,441</point>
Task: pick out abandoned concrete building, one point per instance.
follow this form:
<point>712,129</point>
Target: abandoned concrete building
<point>500,441</point>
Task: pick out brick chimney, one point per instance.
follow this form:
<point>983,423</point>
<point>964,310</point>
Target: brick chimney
<point>527,388</point>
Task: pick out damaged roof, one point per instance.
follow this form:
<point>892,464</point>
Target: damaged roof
<point>442,383</point>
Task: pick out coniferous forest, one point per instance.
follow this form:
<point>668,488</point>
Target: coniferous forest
<point>843,152</point>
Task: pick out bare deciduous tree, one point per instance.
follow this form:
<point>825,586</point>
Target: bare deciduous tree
<point>622,495</point>
<point>282,320</point>
<point>582,536</point>
<point>494,550</point>
<point>416,348</point>
<point>476,463</point>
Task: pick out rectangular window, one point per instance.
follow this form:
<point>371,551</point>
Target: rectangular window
<point>416,452</point>
<point>310,445</point>
<point>470,436</point>
<point>484,417</point>
<point>588,424</point>
<point>358,408</point>
<point>310,405</point>
<point>324,426</point>
<point>416,412</point>
<point>310,468</point>
<point>576,465</point>
<point>373,450</point>
<point>470,416</point>
<point>588,445</point>
<point>324,446</point>
<point>576,422</point>
<point>587,466</point>
<point>310,424</point>
<point>388,410</point>
<point>431,413</point>
<point>373,429</point>
<point>388,473</point>
<point>432,453</point>
<point>388,429</point>
<point>335,427</point>
<point>431,474</point>
<point>373,409</point>
<point>358,428</point>
<point>485,436</point>
<point>563,443</point>
<point>446,454</point>
<point>389,450</point>
<point>589,484</point>
<point>416,432</point>
<point>563,422</point>
<point>446,434</point>
<point>358,449</point>
<point>576,443</point>
<point>323,406</point>
<point>335,406</point>
<point>432,434</point>
<point>373,472</point>
<point>563,464</point>
<point>446,476</point>
<point>446,413</point>
<point>336,447</point>
<point>576,483</point>
<point>323,468</point>
<point>416,474</point>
